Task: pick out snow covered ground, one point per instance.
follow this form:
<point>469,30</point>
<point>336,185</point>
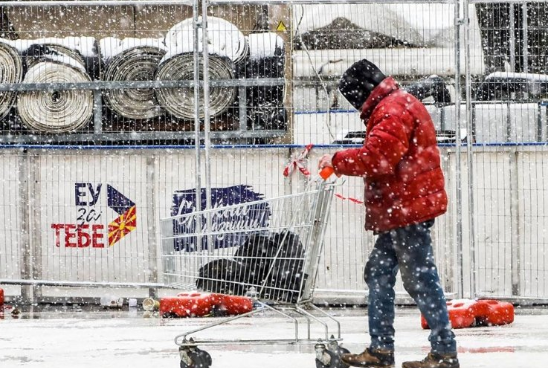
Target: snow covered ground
<point>109,338</point>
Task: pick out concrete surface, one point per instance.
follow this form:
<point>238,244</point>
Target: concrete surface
<point>66,336</point>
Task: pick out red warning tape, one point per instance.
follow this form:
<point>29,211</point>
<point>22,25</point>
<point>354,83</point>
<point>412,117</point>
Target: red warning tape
<point>348,198</point>
<point>299,162</point>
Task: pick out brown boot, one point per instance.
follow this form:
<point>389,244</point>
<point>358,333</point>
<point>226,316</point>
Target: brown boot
<point>370,358</point>
<point>435,360</point>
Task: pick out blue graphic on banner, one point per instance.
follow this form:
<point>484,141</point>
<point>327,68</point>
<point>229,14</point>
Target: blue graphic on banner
<point>117,201</point>
<point>230,222</point>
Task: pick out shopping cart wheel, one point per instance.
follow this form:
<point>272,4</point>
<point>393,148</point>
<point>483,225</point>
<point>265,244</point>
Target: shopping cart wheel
<point>329,356</point>
<point>192,357</point>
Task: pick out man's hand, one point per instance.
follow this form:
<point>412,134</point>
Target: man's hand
<point>325,161</point>
<point>326,167</point>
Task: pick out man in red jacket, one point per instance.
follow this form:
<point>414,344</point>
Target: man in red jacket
<point>404,192</point>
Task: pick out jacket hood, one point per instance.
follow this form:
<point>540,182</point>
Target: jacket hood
<point>387,86</point>
<point>358,81</point>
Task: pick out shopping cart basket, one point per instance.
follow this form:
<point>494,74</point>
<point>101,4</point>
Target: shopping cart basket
<point>269,249</point>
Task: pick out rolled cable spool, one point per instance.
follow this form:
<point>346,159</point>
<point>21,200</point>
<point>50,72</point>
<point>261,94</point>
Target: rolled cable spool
<point>227,47</point>
<point>179,102</point>
<point>133,63</point>
<point>11,71</point>
<point>224,38</point>
<point>52,52</point>
<point>55,111</point>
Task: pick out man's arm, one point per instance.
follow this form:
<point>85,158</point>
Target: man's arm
<point>383,149</point>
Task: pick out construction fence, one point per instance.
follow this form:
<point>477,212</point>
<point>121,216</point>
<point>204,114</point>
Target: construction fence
<point>105,131</point>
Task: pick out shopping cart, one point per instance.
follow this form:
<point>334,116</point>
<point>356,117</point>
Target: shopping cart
<point>267,249</point>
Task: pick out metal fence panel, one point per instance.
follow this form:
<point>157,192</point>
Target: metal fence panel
<point>411,41</point>
<point>494,227</point>
<point>507,115</point>
<point>120,72</point>
<point>89,203</point>
<point>277,95</point>
<point>12,216</point>
<point>531,252</point>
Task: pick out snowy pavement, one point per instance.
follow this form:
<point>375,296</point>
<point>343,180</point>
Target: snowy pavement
<point>67,337</point>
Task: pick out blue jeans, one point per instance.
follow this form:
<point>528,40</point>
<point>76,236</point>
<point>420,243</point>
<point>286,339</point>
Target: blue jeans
<point>408,249</point>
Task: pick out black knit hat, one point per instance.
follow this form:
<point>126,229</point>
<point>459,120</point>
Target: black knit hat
<point>359,80</point>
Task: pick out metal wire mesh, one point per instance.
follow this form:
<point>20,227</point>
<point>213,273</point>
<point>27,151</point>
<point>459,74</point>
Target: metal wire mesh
<point>279,95</point>
<point>129,78</point>
<point>264,247</point>
<point>508,120</point>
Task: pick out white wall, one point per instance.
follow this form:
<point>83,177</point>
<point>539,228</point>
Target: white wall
<point>510,198</point>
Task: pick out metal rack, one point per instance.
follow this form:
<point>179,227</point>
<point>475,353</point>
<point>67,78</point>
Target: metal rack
<point>97,134</point>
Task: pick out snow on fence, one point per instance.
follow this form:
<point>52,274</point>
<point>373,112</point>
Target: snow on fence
<point>99,125</point>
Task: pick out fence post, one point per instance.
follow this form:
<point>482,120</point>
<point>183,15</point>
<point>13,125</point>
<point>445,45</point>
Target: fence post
<point>512,38</point>
<point>469,147</point>
<point>458,144</point>
<point>207,120</point>
<point>26,293</point>
<point>31,258</point>
<point>197,24</point>
<point>152,221</point>
<point>36,245</point>
<point>97,111</point>
<point>514,215</point>
<point>525,41</point>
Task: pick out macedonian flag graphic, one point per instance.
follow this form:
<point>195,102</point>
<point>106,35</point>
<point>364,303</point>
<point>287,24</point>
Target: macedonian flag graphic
<point>126,222</point>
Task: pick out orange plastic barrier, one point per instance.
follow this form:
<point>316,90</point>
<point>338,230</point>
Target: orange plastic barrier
<point>188,305</point>
<point>467,313</point>
<point>201,304</point>
<point>461,313</point>
<point>494,313</point>
<point>233,305</point>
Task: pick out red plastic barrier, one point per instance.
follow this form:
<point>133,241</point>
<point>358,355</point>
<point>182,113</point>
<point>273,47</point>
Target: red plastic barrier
<point>235,304</point>
<point>1,297</point>
<point>188,305</point>
<point>461,313</point>
<point>467,313</point>
<point>197,304</point>
<point>494,313</point>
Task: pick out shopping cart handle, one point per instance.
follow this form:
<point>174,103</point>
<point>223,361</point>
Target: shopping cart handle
<point>326,172</point>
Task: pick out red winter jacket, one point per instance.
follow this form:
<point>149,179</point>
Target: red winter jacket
<point>399,160</point>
